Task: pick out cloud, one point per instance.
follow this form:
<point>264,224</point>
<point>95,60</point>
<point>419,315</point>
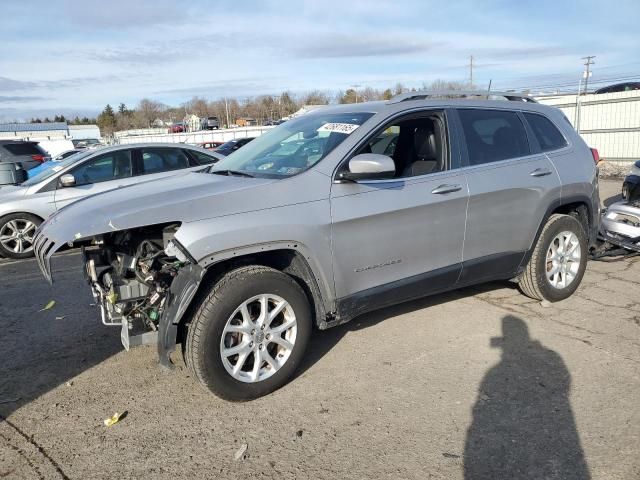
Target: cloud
<point>365,45</point>
<point>18,99</point>
<point>12,85</point>
<point>126,14</point>
<point>245,86</point>
<point>9,84</point>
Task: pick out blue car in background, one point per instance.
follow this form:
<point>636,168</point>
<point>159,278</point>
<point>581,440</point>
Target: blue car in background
<point>52,163</point>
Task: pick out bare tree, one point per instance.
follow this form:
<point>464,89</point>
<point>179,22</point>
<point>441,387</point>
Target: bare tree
<point>147,111</point>
<point>315,97</point>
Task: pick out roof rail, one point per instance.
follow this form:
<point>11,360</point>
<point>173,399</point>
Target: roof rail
<point>485,94</point>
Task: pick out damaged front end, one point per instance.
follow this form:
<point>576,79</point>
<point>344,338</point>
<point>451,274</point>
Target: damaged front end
<point>619,230</point>
<point>142,280</point>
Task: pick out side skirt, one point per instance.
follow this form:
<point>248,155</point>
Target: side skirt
<point>482,270</point>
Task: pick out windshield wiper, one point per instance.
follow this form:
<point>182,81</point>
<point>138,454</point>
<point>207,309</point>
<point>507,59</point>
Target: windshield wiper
<point>231,173</point>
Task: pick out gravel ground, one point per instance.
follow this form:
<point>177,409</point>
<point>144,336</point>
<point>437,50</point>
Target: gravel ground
<point>479,383</point>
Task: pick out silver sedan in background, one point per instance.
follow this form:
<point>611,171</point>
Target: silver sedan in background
<point>23,207</point>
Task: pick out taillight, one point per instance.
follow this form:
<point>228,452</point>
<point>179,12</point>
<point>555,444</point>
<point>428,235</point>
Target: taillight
<point>38,158</point>
<point>596,155</point>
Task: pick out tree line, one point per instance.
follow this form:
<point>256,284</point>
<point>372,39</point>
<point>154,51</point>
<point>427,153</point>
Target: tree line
<point>261,109</point>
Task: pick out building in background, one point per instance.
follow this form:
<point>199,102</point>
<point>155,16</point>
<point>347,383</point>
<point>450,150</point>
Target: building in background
<point>34,131</point>
<point>84,132</point>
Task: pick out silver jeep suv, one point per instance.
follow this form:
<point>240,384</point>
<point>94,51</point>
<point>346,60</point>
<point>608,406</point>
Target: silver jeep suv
<point>331,215</point>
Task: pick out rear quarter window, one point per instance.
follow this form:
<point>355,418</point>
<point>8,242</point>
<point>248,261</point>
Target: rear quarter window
<point>23,148</point>
<point>547,134</point>
<point>201,158</point>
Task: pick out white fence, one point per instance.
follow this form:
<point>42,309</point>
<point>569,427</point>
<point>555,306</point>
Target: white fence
<point>609,122</point>
<point>204,136</point>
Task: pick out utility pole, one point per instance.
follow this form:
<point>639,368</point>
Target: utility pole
<point>588,61</point>
<point>470,71</point>
<point>226,108</point>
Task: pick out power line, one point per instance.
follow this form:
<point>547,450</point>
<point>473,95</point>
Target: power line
<point>572,84</point>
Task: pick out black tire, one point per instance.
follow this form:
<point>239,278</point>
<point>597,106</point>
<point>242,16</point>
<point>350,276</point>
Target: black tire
<point>20,218</point>
<point>201,348</point>
<point>533,282</point>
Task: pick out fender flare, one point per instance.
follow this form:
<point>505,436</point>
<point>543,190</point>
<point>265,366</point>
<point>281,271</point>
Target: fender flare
<point>556,205</point>
<point>187,283</point>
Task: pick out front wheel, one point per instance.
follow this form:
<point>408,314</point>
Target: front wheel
<point>558,261</point>
<point>16,235</point>
<point>249,333</point>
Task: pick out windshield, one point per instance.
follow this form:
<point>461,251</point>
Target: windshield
<point>294,146</point>
<point>55,167</point>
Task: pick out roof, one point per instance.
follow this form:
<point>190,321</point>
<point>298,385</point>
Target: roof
<point>33,127</point>
<point>451,94</point>
<point>82,127</point>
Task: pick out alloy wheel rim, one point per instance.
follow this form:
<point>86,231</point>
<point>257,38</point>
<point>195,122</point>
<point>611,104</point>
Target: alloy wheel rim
<point>17,235</point>
<point>258,338</point>
<point>563,260</point>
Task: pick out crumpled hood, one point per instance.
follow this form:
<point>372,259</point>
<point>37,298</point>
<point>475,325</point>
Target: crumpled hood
<point>180,198</point>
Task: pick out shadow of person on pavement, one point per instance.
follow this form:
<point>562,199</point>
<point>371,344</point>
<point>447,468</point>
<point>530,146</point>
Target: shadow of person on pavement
<point>523,426</point>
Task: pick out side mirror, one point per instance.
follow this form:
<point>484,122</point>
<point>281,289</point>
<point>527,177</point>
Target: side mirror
<point>67,180</point>
<point>369,166</point>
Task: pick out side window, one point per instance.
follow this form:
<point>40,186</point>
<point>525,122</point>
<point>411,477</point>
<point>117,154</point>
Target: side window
<point>547,134</point>
<point>111,166</point>
<point>493,135</point>
<point>202,158</point>
<point>156,160</point>
<point>417,146</point>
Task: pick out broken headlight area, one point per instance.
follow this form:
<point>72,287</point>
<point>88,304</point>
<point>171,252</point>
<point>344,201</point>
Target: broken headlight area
<point>130,273</point>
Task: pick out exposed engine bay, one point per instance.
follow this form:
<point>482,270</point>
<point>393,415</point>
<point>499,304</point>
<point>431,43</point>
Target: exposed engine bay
<point>130,273</point>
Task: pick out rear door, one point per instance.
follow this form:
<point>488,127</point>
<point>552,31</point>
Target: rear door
<point>511,185</point>
<point>96,175</point>
<point>159,162</point>
<point>401,238</point>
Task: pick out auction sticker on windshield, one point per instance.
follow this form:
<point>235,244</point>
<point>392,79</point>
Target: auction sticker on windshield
<point>345,128</point>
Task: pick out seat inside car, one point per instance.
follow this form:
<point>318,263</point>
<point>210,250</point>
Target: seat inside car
<point>426,152</point>
<point>419,148</point>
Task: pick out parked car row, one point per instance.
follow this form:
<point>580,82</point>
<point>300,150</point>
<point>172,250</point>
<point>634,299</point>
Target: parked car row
<point>88,172</point>
<point>27,154</point>
<point>326,217</point>
<point>232,145</point>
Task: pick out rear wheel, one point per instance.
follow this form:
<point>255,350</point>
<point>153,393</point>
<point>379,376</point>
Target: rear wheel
<point>558,261</point>
<point>16,235</point>
<point>249,334</point>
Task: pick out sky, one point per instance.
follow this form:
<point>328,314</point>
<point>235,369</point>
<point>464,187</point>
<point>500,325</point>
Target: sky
<point>73,56</point>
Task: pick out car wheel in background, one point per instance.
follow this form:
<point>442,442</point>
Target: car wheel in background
<point>558,261</point>
<point>16,235</point>
<point>249,333</point>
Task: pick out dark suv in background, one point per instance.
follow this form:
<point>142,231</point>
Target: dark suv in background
<point>28,154</point>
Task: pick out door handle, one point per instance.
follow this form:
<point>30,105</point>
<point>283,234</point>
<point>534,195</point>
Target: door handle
<point>446,189</point>
<point>540,172</point>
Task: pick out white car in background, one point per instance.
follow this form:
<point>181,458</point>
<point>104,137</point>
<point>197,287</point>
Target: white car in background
<point>23,207</point>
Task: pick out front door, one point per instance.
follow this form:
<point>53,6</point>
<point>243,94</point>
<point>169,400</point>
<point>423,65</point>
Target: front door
<point>400,238</point>
<point>97,175</point>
